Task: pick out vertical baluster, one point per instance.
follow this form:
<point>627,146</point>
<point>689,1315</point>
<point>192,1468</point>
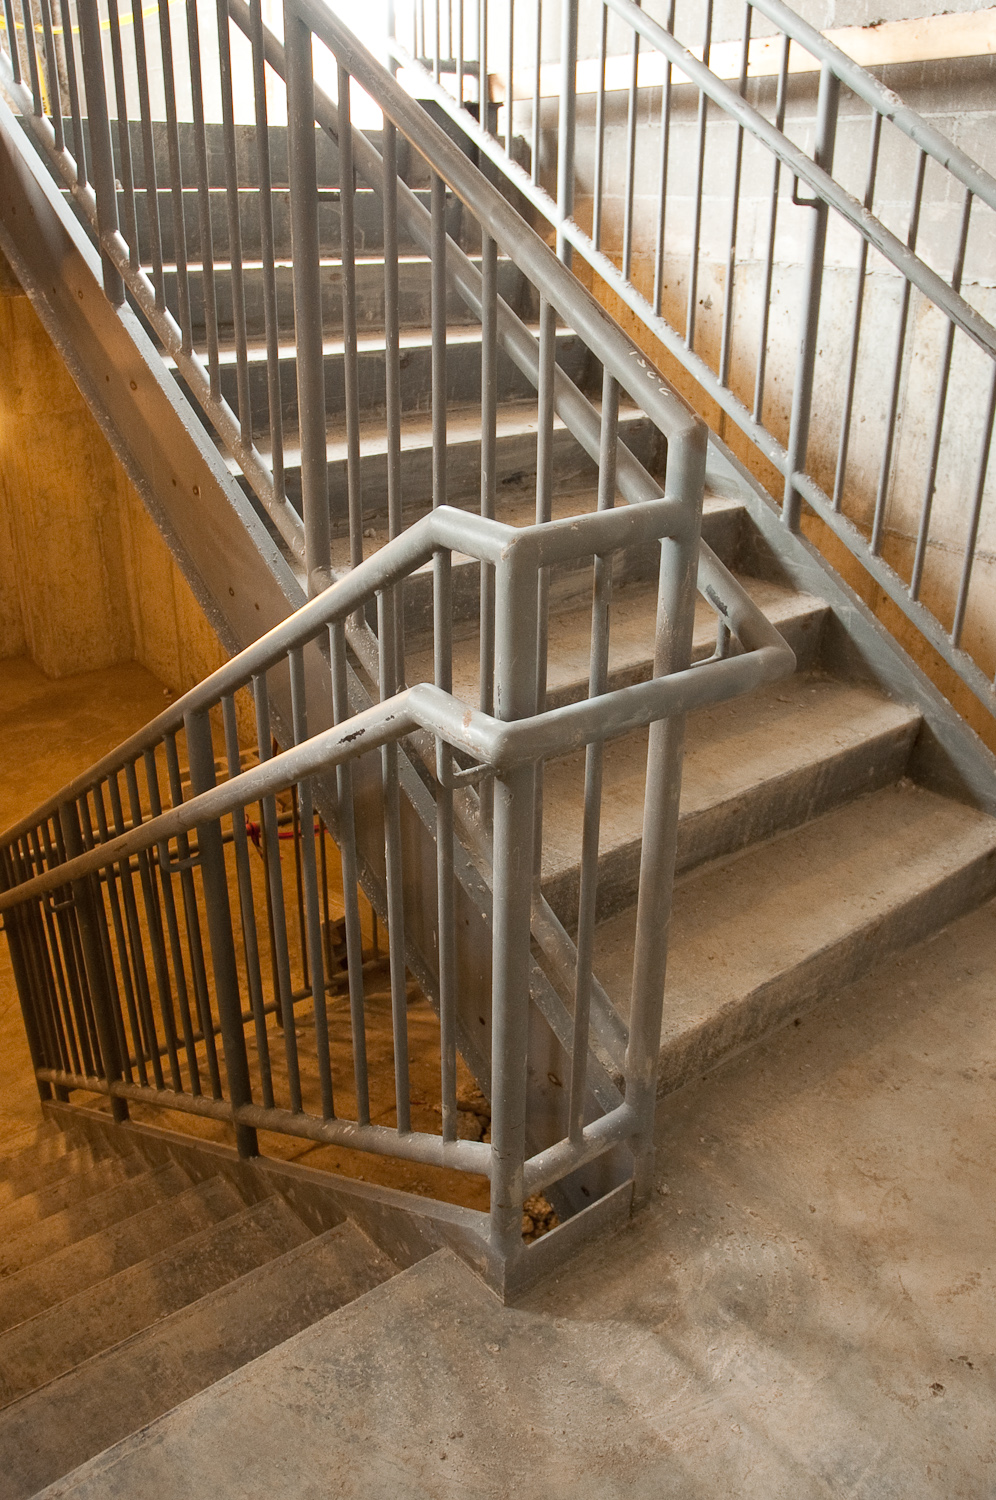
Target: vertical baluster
<point>247,909</point>
<point>312,914</point>
<point>598,677</point>
<point>191,912</point>
<point>157,942</point>
<point>726,337</point>
<point>86,896</point>
<point>203,199</point>
<point>13,49</point>
<point>76,966</point>
<point>827,104</point>
<point>234,224</point>
<point>629,181</point>
<point>459,52</point>
<point>975,513</point>
<point>482,54</point>
<point>436,48</point>
<point>72,1040</point>
<point>307,298</point>
<point>267,250</point>
<point>489,481</point>
<point>52,75</point>
<point>537,96</point>
<point>510,86</point>
<point>275,899</point>
<point>662,172</point>
<point>138,956</point>
<point>566,123</point>
<point>930,482</point>
<point>176,178</point>
<point>390,683</point>
<point>392,375</point>
<point>125,172</point>
<point>29,997</point>
<point>350,353</point>
<point>29,44</point>
<point>149,154</point>
<point>214,878</point>
<point>111,877</point>
<point>350,895</point>
<point>885,471</point>
<point>840,475</point>
<point>101,149</point>
<point>700,144</point>
<point>72,82</point>
<point>160,858</point>
<point>769,260</point>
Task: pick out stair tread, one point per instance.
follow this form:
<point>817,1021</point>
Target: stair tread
<point>22,1212</point>
<point>792,729</point>
<point>34,1242</point>
<point>100,1255</point>
<point>51,1431</point>
<point>785,922</point>
<point>630,641</point>
<point>52,1342</point>
<point>28,1172</point>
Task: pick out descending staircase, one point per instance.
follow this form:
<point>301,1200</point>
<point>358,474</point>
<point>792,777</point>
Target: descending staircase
<point>125,1290</point>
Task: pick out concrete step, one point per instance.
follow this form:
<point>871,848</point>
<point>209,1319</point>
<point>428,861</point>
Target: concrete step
<point>66,1273</point>
<point>32,1243</point>
<point>414,306</point>
<point>516,460</point>
<point>463,374</point>
<point>51,1431</point>
<point>758,937</point>
<point>52,1342</point>
<point>17,1136</point>
<point>22,1213</point>
<point>30,1147</point>
<point>368,222</point>
<point>754,767</point>
<point>29,1171</point>
<point>799,618</point>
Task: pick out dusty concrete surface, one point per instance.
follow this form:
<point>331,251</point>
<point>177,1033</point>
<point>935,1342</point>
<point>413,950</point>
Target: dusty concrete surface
<point>806,1310</point>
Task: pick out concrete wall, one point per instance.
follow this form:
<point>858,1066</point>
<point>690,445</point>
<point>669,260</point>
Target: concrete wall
<point>86,579</point>
<point>958,98</point>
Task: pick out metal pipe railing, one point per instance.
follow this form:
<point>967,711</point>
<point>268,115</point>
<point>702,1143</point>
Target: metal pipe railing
<point>900,510</point>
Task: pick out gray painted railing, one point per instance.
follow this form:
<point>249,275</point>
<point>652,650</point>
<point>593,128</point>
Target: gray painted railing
<point>726,169</point>
<point>162,950</point>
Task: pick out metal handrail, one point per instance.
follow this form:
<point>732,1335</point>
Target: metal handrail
<point>939,610</point>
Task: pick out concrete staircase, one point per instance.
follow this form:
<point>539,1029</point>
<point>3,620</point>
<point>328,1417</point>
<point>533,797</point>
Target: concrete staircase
<point>125,1289</point>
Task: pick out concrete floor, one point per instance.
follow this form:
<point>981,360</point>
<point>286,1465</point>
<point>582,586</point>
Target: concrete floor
<point>806,1310</point>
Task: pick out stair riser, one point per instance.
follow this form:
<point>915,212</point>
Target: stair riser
<point>246,156</point>
<point>822,976</point>
<point>414,300</point>
<point>771,807</point>
<point>463,380</point>
<point>368,222</point>
<point>26,1212</point>
<point>572,471</point>
<point>32,1177</point>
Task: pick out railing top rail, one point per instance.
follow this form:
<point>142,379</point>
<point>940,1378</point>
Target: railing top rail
<point>494,742</point>
<point>446,528</point>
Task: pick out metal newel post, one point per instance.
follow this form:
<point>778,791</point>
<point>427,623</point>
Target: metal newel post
<point>101,149</point>
<point>566,123</point>
<point>802,393</point>
<point>516,629</point>
<point>675,625</point>
<point>200,753</point>
<point>86,894</point>
<point>305,243</point>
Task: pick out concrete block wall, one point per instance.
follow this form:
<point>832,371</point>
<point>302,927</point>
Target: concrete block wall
<point>86,579</point>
